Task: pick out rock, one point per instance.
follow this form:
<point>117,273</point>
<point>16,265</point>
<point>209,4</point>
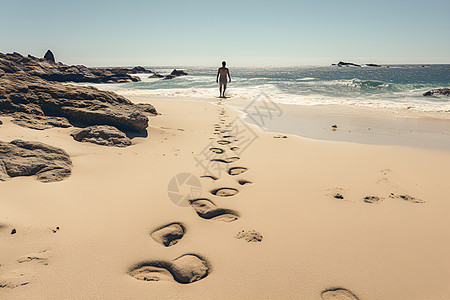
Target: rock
<point>176,72</point>
<point>48,70</point>
<point>341,63</point>
<point>438,92</point>
<point>79,105</point>
<point>147,107</point>
<point>102,135</point>
<point>39,122</point>
<point>49,56</point>
<point>13,231</point>
<point>27,158</point>
<point>373,65</point>
<point>156,75</point>
<point>139,69</point>
<point>167,77</point>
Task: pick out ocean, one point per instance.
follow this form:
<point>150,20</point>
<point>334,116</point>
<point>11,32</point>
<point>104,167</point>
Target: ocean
<point>393,86</point>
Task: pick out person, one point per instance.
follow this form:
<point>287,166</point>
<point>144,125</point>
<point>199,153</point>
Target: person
<point>221,78</point>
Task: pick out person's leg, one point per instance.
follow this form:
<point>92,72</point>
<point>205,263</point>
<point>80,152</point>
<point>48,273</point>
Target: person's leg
<point>224,88</point>
<point>220,90</point>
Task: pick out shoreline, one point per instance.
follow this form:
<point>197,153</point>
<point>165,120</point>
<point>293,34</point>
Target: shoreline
<point>373,126</point>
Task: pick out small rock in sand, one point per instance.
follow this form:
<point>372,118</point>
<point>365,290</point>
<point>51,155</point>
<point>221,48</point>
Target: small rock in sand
<point>102,135</point>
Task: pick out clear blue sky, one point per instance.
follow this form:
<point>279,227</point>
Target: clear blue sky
<point>243,32</point>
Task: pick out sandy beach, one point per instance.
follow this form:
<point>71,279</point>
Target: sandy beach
<point>371,219</point>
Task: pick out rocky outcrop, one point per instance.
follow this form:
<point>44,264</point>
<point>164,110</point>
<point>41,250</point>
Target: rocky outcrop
<point>156,75</point>
<point>39,122</point>
<point>373,65</point>
<point>102,135</point>
<point>175,73</point>
<point>48,70</point>
<point>147,108</point>
<point>80,105</point>
<point>346,64</point>
<point>26,158</point>
<point>438,92</point>
<point>139,69</point>
<point>49,56</point>
<point>167,77</point>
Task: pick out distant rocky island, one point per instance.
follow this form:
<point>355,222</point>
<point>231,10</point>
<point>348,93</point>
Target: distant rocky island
<point>349,64</point>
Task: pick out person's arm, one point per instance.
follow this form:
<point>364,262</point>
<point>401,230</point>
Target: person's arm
<point>229,76</point>
<point>217,77</point>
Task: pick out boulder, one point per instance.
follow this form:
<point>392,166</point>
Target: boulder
<point>156,75</point>
<point>28,158</point>
<point>102,135</point>
<point>39,122</point>
<point>147,107</point>
<point>176,72</point>
<point>80,105</point>
<point>49,56</point>
<point>139,69</point>
<point>438,92</point>
<point>167,77</point>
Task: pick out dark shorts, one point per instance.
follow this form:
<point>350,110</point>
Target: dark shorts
<point>223,79</point>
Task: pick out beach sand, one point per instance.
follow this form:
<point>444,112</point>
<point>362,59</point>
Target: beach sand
<point>372,219</point>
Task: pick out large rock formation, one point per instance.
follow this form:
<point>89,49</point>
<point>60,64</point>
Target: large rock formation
<point>49,56</point>
<point>39,122</point>
<point>438,92</point>
<point>175,73</point>
<point>48,70</point>
<point>25,158</point>
<point>20,92</point>
<point>102,135</point>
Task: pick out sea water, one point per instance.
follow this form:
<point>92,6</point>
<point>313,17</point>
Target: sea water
<point>393,86</point>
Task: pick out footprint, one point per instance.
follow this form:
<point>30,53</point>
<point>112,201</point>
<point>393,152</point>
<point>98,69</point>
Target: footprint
<point>169,234</point>
<point>14,279</point>
<point>209,177</point>
<point>407,198</point>
<point>227,136</point>
<point>244,182</point>
<point>40,257</point>
<point>206,209</point>
<point>217,150</point>
<point>249,236</point>
<point>338,294</point>
<point>237,170</point>
<point>224,192</point>
<point>220,160</point>
<point>234,148</point>
<point>232,159</point>
<point>223,142</point>
<point>227,160</point>
<point>336,193</point>
<point>372,199</point>
<point>187,268</point>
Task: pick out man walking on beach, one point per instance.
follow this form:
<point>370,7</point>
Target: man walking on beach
<point>222,79</point>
